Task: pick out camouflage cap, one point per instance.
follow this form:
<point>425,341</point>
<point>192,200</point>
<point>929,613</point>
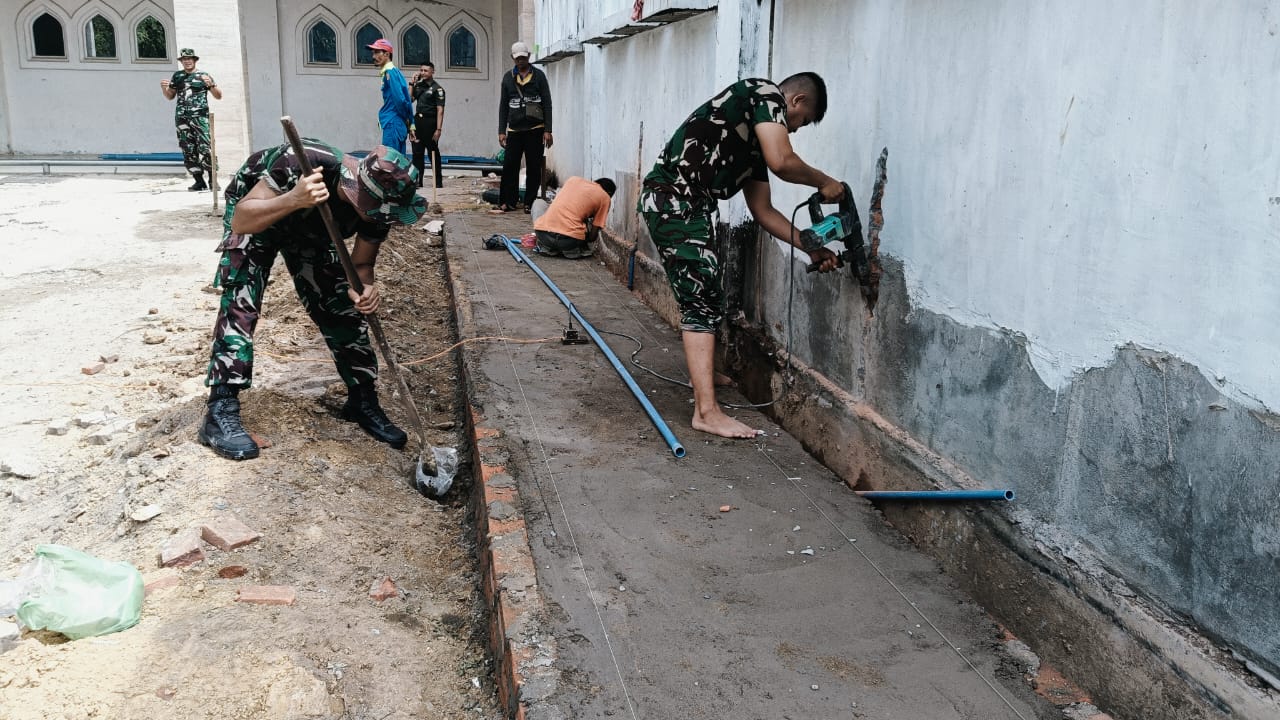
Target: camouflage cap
<point>188,53</point>
<point>386,187</point>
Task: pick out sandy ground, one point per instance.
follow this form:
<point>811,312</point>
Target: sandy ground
<point>115,271</point>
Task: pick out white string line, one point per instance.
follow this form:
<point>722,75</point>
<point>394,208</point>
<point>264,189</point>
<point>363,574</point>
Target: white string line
<point>760,448</point>
<point>582,565</point>
<point>792,480</point>
<point>849,541</point>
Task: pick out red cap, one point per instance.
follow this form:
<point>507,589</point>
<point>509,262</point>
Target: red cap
<point>381,44</point>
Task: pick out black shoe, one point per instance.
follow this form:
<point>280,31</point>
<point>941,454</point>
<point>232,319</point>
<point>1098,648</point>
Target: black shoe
<point>223,432</point>
<point>363,409</point>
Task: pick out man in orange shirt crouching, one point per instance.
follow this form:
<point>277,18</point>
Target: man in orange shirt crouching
<point>574,218</point>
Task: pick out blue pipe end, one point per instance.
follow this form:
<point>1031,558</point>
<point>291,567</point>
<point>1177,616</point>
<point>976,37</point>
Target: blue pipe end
<point>1007,495</point>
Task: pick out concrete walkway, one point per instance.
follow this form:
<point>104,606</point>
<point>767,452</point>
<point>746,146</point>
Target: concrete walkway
<point>642,596</point>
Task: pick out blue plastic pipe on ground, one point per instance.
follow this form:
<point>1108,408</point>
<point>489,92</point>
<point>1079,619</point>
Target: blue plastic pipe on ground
<point>677,449</point>
<point>936,494</point>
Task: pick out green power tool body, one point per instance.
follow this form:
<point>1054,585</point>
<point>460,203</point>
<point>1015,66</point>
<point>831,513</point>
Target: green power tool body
<point>845,226</point>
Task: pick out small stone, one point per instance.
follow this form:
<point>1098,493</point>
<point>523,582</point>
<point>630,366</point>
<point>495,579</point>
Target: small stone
<point>726,508</point>
<point>108,359</point>
<point>154,338</point>
<point>160,580</point>
<point>21,466</point>
<point>145,513</point>
<point>383,589</point>
<point>59,426</point>
<point>105,434</point>
<point>706,596</point>
<point>94,419</point>
<point>807,551</point>
<point>153,311</point>
<point>182,550</point>
<point>233,571</point>
<point>10,636</point>
<point>813,687</point>
<point>795,529</point>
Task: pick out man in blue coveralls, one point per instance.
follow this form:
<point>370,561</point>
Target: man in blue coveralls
<point>397,109</point>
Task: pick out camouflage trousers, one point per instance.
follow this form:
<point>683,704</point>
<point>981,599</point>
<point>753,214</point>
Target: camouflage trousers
<point>693,268</point>
<point>322,287</point>
<point>193,140</point>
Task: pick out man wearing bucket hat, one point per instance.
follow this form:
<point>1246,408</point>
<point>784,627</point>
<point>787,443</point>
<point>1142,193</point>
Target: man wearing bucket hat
<point>270,211</point>
<point>192,89</point>
<point>397,108</point>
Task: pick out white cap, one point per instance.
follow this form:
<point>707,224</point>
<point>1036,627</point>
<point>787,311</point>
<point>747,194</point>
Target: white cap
<point>518,49</point>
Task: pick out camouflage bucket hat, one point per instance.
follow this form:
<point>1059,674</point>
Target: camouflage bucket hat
<point>386,187</point>
<point>188,53</point>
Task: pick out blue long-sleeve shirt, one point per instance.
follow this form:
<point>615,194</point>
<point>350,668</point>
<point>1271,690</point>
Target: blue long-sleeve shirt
<point>396,104</point>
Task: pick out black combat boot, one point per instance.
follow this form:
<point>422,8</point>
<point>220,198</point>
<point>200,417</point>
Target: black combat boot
<point>199,184</point>
<point>221,429</point>
<point>362,408</point>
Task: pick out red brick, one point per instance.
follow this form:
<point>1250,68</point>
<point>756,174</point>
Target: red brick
<point>158,581</point>
<point>182,550</point>
<point>1057,689</point>
<point>267,595</point>
<point>93,369</point>
<point>228,533</point>
<point>383,589</point>
<point>232,571</point>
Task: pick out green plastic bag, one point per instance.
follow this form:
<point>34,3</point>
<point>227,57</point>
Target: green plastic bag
<point>81,596</point>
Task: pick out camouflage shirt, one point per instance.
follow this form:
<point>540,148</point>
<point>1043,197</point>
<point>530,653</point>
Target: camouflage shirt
<point>715,151</point>
<point>278,167</point>
<point>193,92</point>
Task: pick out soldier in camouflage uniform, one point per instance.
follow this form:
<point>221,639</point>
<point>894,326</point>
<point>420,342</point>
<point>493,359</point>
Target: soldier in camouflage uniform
<point>192,88</point>
<point>271,210</point>
<point>729,143</point>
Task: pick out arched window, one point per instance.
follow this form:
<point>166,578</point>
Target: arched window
<point>46,32</point>
<point>150,35</point>
<point>462,48</point>
<point>364,37</point>
<point>322,44</point>
<point>415,47</point>
<point>100,38</point>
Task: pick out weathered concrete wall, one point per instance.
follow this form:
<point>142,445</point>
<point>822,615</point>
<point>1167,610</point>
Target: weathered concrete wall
<point>79,104</point>
<point>1080,223</point>
<point>341,103</point>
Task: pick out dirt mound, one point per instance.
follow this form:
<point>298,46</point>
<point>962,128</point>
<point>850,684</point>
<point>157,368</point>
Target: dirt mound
<point>334,508</point>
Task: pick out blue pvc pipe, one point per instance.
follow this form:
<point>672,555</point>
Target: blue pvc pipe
<point>936,494</point>
<point>676,448</point>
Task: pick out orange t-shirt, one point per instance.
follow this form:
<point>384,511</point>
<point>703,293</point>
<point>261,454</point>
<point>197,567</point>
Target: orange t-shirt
<point>578,200</point>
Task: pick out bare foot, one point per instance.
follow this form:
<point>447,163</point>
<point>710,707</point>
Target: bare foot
<point>723,380</point>
<point>716,422</point>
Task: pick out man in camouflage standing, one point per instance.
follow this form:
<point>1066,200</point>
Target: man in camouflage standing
<point>271,210</point>
<point>729,143</point>
<point>192,88</point>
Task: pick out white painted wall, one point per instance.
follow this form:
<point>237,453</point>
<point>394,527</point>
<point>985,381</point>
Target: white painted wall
<point>340,104</point>
<point>255,49</point>
<point>1087,174</point>
<point>78,104</point>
